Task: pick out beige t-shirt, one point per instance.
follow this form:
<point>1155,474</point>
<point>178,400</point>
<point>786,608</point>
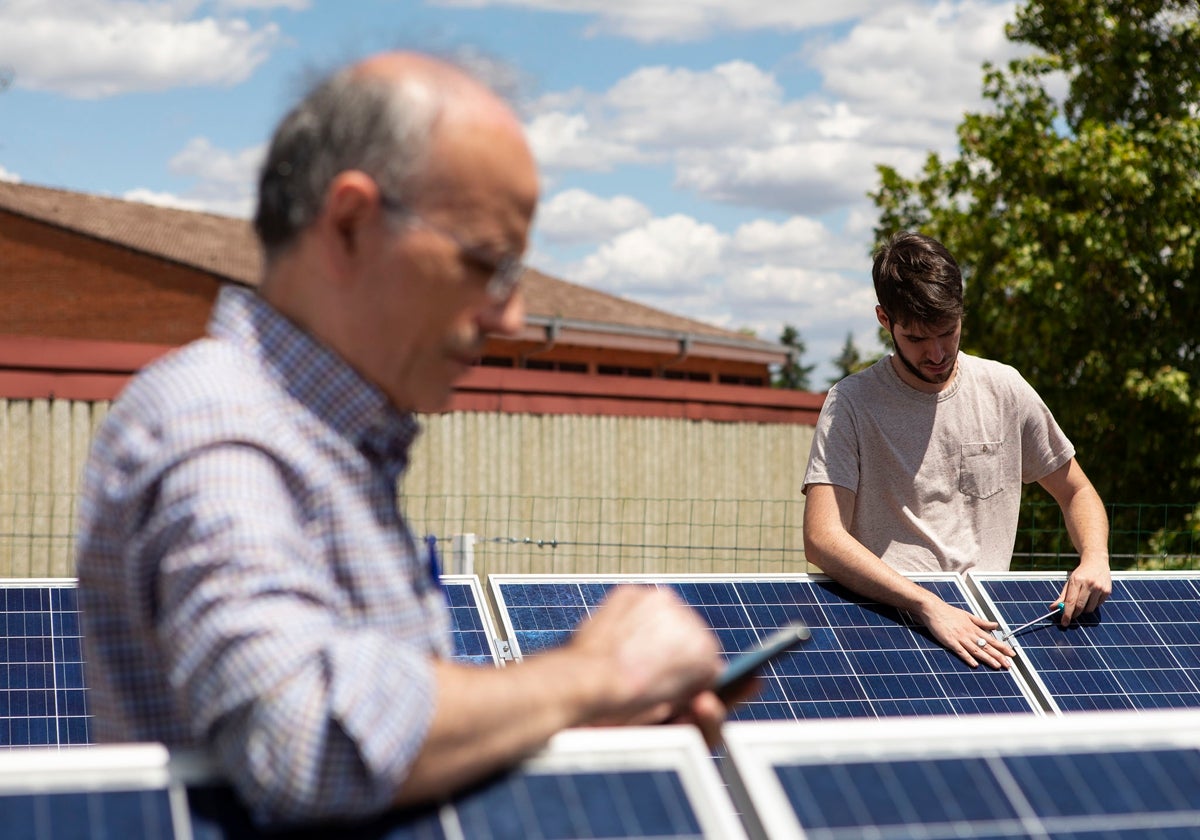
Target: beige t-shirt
<point>937,477</point>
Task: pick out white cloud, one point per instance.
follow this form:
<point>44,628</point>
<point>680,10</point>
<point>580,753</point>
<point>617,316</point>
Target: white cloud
<point>797,241</point>
<point>840,122</point>
<point>913,63</point>
<point>730,132</point>
<point>263,5</point>
<point>223,182</point>
<point>659,255</point>
<point>895,86</point>
<point>97,48</point>
<point>761,276</point>
<point>575,215</point>
<point>216,168</point>
<point>823,303</point>
<point>238,208</point>
<point>9,177</point>
<point>811,177</point>
<point>566,141</point>
<point>685,20</point>
<point>667,108</point>
<point>895,81</point>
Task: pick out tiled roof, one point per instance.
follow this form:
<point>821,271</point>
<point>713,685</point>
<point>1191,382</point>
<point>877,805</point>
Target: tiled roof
<point>219,245</point>
<point>227,247</point>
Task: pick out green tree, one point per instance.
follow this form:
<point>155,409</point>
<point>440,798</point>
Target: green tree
<point>1077,224</point>
<point>849,361</point>
<point>793,375</point>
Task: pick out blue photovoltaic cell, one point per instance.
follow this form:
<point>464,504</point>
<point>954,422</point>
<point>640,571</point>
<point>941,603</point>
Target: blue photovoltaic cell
<point>516,806</point>
<point>91,815</point>
<point>863,660</point>
<point>43,700</point>
<point>43,697</point>
<point>1122,793</point>
<point>557,806</point>
<point>472,634</point>
<point>1140,650</point>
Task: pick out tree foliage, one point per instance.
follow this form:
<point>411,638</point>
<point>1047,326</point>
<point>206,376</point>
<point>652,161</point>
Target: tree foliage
<point>850,360</point>
<point>793,375</point>
<point>1076,220</point>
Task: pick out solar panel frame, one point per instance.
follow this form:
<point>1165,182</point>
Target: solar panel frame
<point>1140,651</point>
<point>474,631</point>
<point>677,752</point>
<point>924,779</point>
<point>857,654</point>
<point>92,793</point>
<point>43,693</point>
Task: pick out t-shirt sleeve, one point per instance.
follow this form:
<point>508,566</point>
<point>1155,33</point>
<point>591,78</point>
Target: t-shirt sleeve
<point>1044,445</point>
<point>834,455</point>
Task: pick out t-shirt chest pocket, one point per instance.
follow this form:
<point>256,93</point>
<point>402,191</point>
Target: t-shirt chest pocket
<point>980,472</point>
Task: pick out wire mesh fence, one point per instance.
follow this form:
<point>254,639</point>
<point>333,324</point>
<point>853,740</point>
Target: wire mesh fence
<point>548,535</point>
<point>524,534</point>
<point>601,535</point>
<point>1141,536</point>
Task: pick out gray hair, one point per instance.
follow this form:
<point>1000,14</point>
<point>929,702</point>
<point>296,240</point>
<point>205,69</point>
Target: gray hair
<point>349,121</point>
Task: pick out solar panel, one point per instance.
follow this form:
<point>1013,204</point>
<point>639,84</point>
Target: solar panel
<point>98,793</point>
<point>863,660</point>
<point>1114,775</point>
<point>43,695</point>
<point>43,700</point>
<point>471,624</point>
<point>1140,650</point>
<point>649,782</point>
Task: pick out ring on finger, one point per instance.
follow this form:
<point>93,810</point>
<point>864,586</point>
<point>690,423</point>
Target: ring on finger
<point>982,642</point>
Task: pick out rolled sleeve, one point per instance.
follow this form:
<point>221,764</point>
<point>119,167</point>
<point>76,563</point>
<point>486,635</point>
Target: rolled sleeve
<point>316,701</point>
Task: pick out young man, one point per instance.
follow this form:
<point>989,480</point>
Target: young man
<point>246,582</point>
<point>918,461</point>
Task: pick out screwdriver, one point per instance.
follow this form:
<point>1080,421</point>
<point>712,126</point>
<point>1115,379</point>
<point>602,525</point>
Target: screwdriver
<point>1059,607</point>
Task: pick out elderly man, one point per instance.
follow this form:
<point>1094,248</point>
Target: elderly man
<point>246,581</point>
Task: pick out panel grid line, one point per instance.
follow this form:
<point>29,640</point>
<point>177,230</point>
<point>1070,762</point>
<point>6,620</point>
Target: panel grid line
<point>1139,651</point>
<point>862,660</point>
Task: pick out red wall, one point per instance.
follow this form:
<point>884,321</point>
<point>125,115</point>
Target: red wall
<point>81,315</point>
<point>63,285</point>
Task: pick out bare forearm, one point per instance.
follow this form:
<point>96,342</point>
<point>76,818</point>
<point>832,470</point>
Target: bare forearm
<point>1087,524</point>
<point>487,719</point>
<point>644,656</point>
<point>1090,584</point>
<point>848,562</point>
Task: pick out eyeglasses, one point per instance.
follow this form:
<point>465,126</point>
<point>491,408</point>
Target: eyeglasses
<point>505,272</point>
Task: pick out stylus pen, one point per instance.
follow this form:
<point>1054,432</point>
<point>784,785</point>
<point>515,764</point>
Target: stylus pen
<point>1059,607</point>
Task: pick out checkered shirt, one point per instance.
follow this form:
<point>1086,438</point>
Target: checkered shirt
<point>246,580</point>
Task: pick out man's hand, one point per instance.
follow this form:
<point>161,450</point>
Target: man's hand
<point>1086,588</point>
<point>660,657</point>
<point>960,632</point>
<point>1087,522</point>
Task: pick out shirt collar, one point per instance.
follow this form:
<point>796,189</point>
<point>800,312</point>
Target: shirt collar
<point>312,374</point>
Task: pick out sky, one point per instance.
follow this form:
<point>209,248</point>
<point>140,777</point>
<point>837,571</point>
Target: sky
<point>712,158</point>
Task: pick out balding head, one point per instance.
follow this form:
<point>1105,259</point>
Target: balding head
<point>378,117</point>
<point>390,198</point>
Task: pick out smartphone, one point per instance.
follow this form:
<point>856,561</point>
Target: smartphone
<point>743,667</point>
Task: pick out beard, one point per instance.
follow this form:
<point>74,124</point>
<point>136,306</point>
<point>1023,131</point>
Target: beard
<point>935,379</point>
